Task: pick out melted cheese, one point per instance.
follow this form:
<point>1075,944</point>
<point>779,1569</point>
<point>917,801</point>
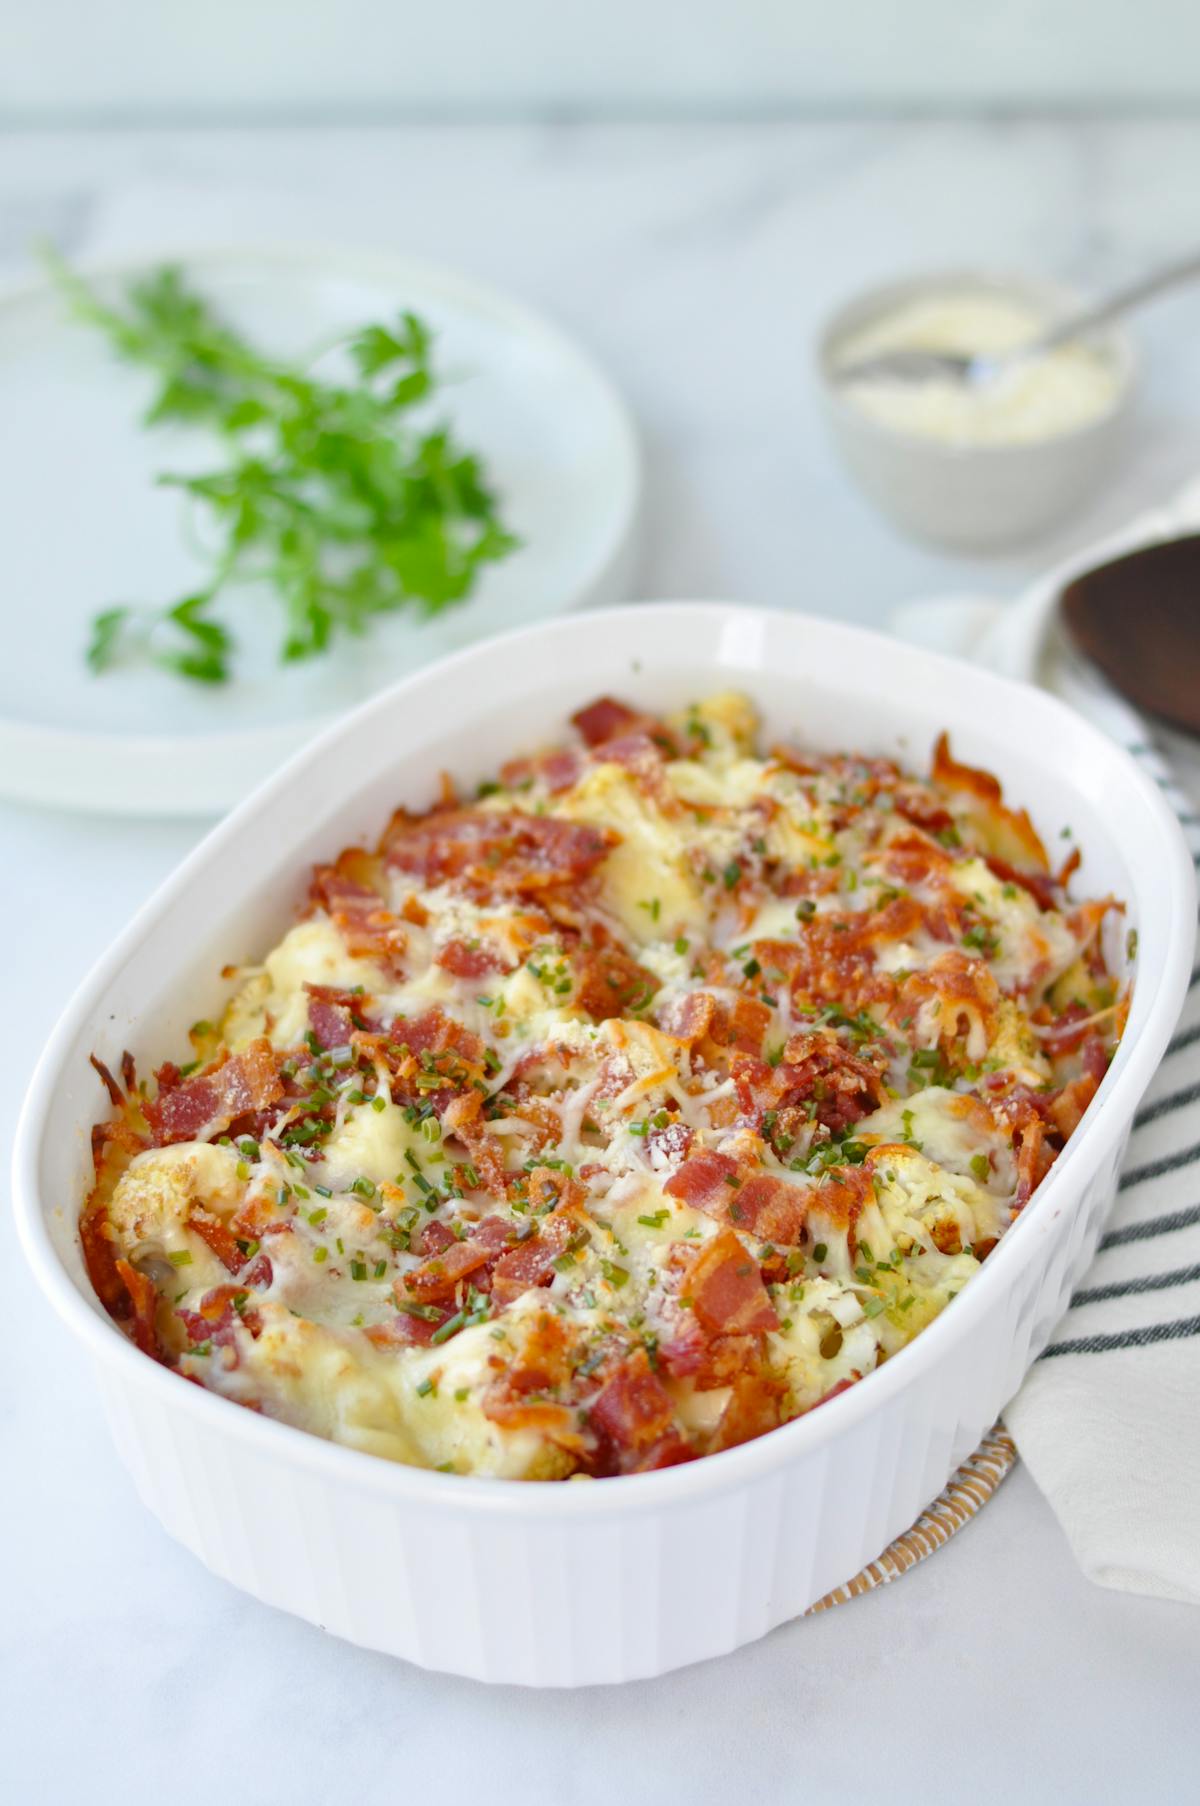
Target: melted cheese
<point>356,1184</point>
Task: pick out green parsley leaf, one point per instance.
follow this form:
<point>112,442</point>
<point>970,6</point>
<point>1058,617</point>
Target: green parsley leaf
<point>321,490</point>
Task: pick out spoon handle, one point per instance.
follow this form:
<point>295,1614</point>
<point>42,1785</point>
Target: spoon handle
<point>1077,324</point>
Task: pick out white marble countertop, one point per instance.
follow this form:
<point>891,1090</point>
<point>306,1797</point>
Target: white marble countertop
<point>696,262</point>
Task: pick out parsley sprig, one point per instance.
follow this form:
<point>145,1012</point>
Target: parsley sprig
<point>326,493</point>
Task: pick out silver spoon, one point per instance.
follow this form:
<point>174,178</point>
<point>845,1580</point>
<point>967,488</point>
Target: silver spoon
<point>983,367</point>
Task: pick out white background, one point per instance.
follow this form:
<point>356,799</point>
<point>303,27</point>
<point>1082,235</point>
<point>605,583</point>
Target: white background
<point>696,260</point>
<point>124,60</point>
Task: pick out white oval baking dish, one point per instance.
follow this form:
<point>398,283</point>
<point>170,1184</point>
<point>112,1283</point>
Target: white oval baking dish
<point>560,1585</point>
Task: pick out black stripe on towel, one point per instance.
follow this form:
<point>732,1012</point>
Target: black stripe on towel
<point>1126,1338</point>
<point>1154,1169</point>
<point>1145,1232</point>
<point>1186,1037</point>
<point>1167,1106</point>
<point>1127,1288</point>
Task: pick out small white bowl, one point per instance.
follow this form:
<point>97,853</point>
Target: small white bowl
<point>975,496</point>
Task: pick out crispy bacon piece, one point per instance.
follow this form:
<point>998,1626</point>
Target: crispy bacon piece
<point>434,1032</point>
<point>610,983</point>
<point>958,995</point>
<point>833,959</point>
<point>753,1409</point>
<point>769,1207</point>
<point>726,1289</point>
<point>206,1104</point>
<point>606,720</point>
<point>472,959</point>
<point>817,1068</point>
<point>829,963</point>
<point>531,1263</point>
<point>463,1117</point>
<point>742,1024</point>
<point>143,1298</point>
<point>259,1274</point>
<point>1033,1154</point>
<point>220,1313</point>
<point>924,811</point>
<point>257,1215</point>
<point>688,1352</point>
<point>350,892</point>
<point>703,1180</point>
<point>558,768</point>
<point>433,1237</point>
<point>688,1018</point>
<point>116,1096</point>
<point>841,1197</point>
<point>1084,922</point>
<point>912,859</point>
<point>431,1059</point>
<point>669,1451</point>
<point>1072,1030</point>
<point>758,1202</point>
<point>715,1027</point>
<point>116,1140</point>
<point>633,1408</point>
<point>1008,832</point>
<point>1042,886</point>
<point>668,1143</point>
<point>98,1241</point>
<point>521,1395</point>
<point>501,853</point>
<point>543,1361</point>
<point>538,1112</point>
<point>436,1279</point>
<point>408,1331</point>
<point>554,1421</point>
<point>331,1014</point>
<point>218,1236</point>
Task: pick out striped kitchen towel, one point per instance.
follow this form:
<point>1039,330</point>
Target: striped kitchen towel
<point>1108,1420</point>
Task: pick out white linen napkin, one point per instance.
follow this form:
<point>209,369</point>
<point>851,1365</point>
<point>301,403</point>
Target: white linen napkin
<point>1108,1420</point>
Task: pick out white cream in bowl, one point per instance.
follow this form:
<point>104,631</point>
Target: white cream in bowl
<point>975,467</point>
<point>1030,399</point>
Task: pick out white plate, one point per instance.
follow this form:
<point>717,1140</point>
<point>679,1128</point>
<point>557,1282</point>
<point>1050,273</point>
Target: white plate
<point>85,527</point>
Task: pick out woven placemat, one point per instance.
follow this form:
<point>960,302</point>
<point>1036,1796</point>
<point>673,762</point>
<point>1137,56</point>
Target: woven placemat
<point>968,1490</point>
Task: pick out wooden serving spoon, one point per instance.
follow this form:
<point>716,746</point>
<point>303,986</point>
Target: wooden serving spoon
<point>1138,618</point>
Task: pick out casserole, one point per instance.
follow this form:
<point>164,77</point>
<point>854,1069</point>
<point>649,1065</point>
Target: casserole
<point>584,1583</point>
<point>616,1114</point>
